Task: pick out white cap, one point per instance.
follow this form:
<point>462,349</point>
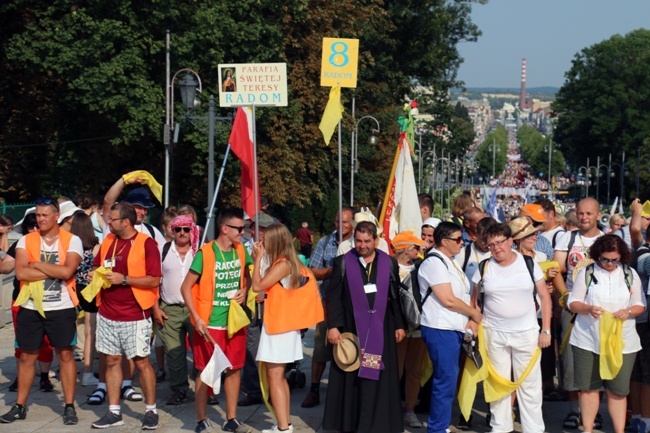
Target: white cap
<point>432,222</point>
<point>67,209</point>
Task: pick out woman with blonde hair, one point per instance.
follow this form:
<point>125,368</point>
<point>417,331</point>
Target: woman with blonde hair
<point>277,268</point>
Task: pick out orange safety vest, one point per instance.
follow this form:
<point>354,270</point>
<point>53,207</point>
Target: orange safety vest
<point>33,247</point>
<point>293,309</point>
<point>203,291</point>
<point>136,265</point>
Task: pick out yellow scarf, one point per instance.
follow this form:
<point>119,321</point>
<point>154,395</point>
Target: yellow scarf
<point>611,346</point>
<point>34,290</point>
<point>146,179</point>
<point>495,386</point>
<point>99,282</point>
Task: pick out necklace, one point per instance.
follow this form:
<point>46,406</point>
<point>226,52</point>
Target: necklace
<point>50,239</point>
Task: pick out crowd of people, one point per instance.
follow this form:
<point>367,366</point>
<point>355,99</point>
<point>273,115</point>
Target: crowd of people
<point>521,306</point>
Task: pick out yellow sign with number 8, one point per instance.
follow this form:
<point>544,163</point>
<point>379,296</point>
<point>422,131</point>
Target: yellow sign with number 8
<point>340,62</point>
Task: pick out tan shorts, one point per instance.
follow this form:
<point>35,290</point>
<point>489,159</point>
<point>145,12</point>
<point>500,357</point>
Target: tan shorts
<point>322,353</point>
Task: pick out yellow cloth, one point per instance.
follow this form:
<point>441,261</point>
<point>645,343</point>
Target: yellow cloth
<point>611,346</point>
<point>546,265</point>
<point>34,290</point>
<point>146,179</point>
<point>495,386</point>
<point>333,113</point>
<point>264,386</point>
<point>99,282</point>
<point>237,318</point>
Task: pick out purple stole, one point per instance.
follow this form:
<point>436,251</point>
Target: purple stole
<point>370,323</point>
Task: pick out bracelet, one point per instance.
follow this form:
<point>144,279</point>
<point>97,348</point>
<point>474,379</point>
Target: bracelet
<point>546,331</point>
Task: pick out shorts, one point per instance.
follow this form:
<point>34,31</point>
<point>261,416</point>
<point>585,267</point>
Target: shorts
<point>133,338</point>
<point>60,326</point>
<point>321,353</point>
<point>587,372</point>
<point>641,370</point>
<point>234,348</point>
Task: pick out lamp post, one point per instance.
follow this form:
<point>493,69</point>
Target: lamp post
<point>549,147</point>
<point>622,172</point>
<point>373,140</point>
<point>586,178</point>
<point>422,157</point>
<point>493,148</point>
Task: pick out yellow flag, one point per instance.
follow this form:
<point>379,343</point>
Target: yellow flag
<point>99,282</point>
<point>146,179</point>
<point>333,113</point>
<point>237,318</point>
<point>611,346</point>
<point>34,290</point>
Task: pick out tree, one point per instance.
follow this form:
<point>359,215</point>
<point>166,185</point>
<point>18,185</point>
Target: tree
<point>534,150</point>
<point>485,154</point>
<point>604,105</point>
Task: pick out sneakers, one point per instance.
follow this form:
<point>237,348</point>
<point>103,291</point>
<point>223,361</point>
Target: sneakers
<point>202,425</point>
<point>311,400</point>
<point>70,416</point>
<point>89,379</point>
<point>178,397</point>
<point>275,429</point>
<point>235,426</point>
<point>411,420</point>
<point>572,421</point>
<point>160,376</point>
<point>108,420</point>
<point>16,412</point>
<point>150,420</point>
<point>46,385</point>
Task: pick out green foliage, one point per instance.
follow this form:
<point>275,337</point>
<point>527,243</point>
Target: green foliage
<point>486,156</point>
<point>535,151</point>
<point>604,105</point>
<point>84,98</point>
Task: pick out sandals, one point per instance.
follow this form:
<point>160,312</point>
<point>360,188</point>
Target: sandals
<point>130,394</point>
<point>572,421</point>
<point>97,397</point>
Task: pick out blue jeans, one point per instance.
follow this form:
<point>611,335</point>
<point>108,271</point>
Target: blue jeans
<point>444,350</point>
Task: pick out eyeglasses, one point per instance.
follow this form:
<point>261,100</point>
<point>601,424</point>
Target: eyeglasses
<point>238,228</point>
<point>185,229</point>
<point>46,202</point>
<point>458,240</point>
<point>491,246</point>
<point>110,220</point>
<point>605,260</point>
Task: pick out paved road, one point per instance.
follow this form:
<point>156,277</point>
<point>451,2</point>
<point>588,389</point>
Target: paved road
<point>44,409</point>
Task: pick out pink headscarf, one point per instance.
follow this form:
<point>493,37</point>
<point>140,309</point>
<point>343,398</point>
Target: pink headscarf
<point>188,221</point>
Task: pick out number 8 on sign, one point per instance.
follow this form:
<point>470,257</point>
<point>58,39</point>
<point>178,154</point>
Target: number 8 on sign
<point>339,62</point>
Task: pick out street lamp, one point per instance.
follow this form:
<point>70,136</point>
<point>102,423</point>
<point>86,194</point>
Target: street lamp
<point>494,149</point>
<point>623,171</point>
<point>549,148</point>
<point>354,162</point>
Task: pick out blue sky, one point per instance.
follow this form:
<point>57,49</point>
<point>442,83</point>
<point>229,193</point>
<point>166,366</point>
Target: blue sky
<point>548,33</point>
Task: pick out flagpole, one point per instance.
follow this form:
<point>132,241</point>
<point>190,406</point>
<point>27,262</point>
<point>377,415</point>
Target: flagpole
<point>340,230</point>
<point>255,186</point>
<point>214,196</point>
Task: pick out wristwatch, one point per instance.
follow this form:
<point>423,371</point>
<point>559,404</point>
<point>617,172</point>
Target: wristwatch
<point>546,331</point>
<point>629,312</point>
<point>124,280</point>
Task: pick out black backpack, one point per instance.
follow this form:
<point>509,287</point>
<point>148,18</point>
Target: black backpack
<point>411,299</point>
<point>530,265</point>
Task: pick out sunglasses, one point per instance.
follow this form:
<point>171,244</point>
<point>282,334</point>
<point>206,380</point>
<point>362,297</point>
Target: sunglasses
<point>458,240</point>
<point>47,202</point>
<point>605,260</point>
<point>185,229</point>
<point>238,228</point>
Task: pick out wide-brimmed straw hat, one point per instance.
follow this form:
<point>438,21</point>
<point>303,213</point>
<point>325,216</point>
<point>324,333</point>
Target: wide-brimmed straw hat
<point>522,227</point>
<point>347,354</point>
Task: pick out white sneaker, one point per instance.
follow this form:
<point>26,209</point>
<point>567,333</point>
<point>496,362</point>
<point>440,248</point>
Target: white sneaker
<point>89,379</point>
<point>411,420</point>
<point>275,429</point>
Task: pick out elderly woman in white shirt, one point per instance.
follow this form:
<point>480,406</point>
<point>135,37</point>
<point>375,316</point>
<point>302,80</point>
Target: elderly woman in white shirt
<point>608,285</point>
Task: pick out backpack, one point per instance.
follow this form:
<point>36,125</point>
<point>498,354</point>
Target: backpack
<point>590,277</point>
<point>530,265</point>
<point>165,250</point>
<point>572,240</point>
<point>554,240</point>
<point>636,255</point>
<point>410,297</point>
<point>468,252</point>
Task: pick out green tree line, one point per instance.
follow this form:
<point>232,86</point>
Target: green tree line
<point>485,154</point>
<point>82,101</point>
<point>535,151</point>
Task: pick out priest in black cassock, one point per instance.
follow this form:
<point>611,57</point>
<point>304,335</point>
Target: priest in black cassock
<point>363,298</point>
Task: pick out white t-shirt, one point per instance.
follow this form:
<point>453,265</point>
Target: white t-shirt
<point>551,233</point>
<point>56,296</point>
<point>348,245</point>
<point>609,291</point>
<point>433,272</point>
<point>578,251</point>
<point>174,270</point>
<point>509,302</point>
<point>475,257</point>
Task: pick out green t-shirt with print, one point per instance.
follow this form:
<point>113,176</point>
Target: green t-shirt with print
<point>227,278</point>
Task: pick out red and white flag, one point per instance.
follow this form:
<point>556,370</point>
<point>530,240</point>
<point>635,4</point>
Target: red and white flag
<point>241,143</point>
<point>401,210</point>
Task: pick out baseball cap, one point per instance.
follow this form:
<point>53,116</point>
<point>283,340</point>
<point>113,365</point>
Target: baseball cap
<point>406,239</point>
<point>534,211</point>
<point>140,197</point>
<point>431,222</point>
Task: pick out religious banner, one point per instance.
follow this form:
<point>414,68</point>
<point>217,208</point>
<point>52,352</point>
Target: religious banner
<point>253,84</point>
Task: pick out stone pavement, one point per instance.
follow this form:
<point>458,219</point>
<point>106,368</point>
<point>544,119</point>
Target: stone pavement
<point>45,409</point>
